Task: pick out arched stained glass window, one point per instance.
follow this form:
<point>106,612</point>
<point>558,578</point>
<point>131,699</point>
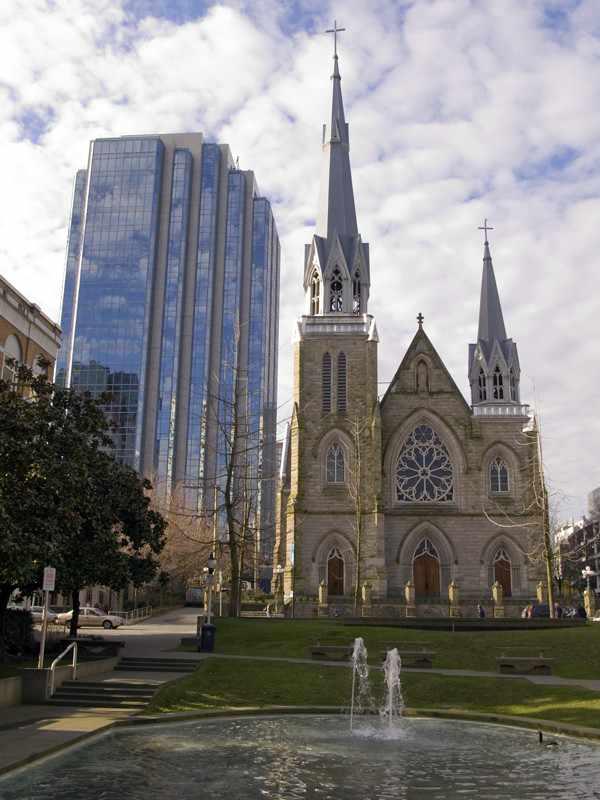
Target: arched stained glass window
<point>335,464</point>
<point>498,383</point>
<point>498,476</point>
<point>315,294</point>
<point>424,471</point>
<point>482,385</point>
<point>326,383</point>
<point>341,383</point>
<point>336,293</point>
<point>356,293</point>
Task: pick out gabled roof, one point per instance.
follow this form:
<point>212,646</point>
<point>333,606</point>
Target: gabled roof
<point>422,343</point>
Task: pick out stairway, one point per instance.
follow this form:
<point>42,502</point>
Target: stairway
<point>147,664</point>
<point>107,694</point>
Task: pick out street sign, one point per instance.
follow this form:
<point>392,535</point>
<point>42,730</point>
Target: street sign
<point>49,579</point>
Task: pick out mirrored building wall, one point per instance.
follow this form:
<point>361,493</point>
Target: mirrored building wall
<point>171,291</point>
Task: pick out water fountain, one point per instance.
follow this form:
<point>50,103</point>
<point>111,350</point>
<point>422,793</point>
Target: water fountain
<point>361,701</point>
<point>393,704</point>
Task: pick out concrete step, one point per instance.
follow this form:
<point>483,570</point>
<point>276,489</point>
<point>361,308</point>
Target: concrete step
<point>157,665</point>
<point>133,686</point>
<point>89,692</point>
<point>102,702</point>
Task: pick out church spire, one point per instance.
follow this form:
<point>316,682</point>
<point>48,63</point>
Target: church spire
<point>491,321</point>
<point>494,372</point>
<point>337,212</point>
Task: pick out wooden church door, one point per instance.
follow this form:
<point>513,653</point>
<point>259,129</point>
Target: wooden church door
<point>426,576</point>
<point>335,574</point>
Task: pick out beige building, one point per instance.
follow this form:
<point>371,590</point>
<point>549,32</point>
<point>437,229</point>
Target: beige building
<point>25,332</point>
<point>397,495</point>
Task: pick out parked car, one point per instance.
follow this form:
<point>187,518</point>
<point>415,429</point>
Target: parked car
<point>92,617</point>
<point>37,612</point>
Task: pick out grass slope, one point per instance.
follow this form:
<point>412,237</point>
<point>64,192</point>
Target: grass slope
<point>221,684</point>
<point>576,651</point>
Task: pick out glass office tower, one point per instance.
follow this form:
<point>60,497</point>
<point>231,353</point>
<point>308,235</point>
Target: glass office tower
<point>171,290</point>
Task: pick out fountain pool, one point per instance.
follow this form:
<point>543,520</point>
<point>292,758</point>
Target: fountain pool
<point>289,757</point>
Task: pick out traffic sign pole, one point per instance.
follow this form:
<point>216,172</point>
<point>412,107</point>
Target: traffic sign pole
<point>47,586</point>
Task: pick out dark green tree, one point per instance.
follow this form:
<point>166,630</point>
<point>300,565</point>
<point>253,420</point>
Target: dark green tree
<point>63,499</point>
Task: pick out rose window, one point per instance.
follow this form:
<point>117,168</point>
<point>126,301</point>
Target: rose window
<point>424,471</point>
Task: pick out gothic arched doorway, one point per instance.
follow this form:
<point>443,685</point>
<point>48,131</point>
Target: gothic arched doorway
<point>503,571</point>
<point>335,573</point>
<point>426,570</point>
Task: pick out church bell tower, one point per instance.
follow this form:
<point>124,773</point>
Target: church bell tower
<point>331,525</point>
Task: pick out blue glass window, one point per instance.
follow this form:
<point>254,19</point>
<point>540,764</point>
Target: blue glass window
<point>117,268</point>
<point>171,329</point>
<point>71,275</point>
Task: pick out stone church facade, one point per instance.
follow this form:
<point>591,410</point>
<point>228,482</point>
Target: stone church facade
<point>393,502</point>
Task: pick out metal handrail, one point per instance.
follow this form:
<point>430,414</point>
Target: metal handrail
<point>73,647</point>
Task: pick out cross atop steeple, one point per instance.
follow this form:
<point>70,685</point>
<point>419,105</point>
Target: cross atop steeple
<point>420,319</point>
<point>485,227</point>
<point>335,30</point>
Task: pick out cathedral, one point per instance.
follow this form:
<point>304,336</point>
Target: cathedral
<point>396,502</point>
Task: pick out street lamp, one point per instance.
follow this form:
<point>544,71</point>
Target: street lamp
<point>279,570</point>
<point>586,574</point>
<point>207,635</point>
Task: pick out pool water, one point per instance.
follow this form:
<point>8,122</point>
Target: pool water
<point>289,757</point>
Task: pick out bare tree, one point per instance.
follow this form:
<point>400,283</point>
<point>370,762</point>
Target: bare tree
<point>358,426</point>
<point>538,549</point>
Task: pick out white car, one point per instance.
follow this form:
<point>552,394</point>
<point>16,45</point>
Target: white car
<point>37,612</point>
<point>92,617</point>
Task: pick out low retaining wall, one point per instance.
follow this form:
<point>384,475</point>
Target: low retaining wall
<point>11,691</point>
<point>36,682</point>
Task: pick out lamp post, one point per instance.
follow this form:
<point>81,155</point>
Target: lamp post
<point>278,584</point>
<point>207,633</point>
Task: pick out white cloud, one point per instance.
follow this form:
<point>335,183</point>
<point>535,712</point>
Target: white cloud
<point>450,102</point>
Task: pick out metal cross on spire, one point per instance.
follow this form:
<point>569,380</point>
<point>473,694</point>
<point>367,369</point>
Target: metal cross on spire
<point>420,319</point>
<point>335,30</point>
<point>485,227</point>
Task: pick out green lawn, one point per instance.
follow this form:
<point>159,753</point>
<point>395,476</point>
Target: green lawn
<point>222,684</point>
<point>576,651</point>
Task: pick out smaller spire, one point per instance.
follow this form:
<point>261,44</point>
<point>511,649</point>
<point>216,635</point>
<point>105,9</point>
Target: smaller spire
<point>491,321</point>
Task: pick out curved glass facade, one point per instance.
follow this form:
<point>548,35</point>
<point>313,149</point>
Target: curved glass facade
<point>171,293</point>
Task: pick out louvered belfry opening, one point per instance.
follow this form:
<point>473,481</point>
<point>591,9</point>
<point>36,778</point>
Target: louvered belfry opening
<point>326,383</point>
<point>341,383</point>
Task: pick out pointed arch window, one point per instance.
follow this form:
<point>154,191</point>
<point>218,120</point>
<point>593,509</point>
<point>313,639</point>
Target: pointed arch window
<point>356,293</point>
<point>341,383</point>
<point>326,383</point>
<point>424,472</point>
<point>513,385</point>
<point>498,384</point>
<point>335,464</point>
<point>315,294</point>
<point>503,571</point>
<point>482,383</point>
<point>499,476</point>
<point>336,291</point>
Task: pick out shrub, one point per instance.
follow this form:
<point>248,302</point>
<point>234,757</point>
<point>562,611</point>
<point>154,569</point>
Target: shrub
<point>18,632</point>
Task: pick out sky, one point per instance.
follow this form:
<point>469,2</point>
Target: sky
<point>459,110</point>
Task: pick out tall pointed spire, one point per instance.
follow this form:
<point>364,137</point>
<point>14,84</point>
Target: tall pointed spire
<point>494,371</point>
<point>337,212</point>
<point>491,321</point>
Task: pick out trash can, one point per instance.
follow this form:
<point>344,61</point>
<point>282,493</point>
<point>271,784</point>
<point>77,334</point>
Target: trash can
<point>207,638</point>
